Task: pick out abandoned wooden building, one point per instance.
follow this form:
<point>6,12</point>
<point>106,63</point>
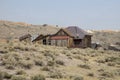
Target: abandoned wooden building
<point>69,37</point>
<point>42,39</point>
<point>26,37</point>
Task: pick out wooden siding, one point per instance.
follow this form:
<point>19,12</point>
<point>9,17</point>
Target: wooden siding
<point>86,42</point>
<point>62,43</point>
<point>59,37</point>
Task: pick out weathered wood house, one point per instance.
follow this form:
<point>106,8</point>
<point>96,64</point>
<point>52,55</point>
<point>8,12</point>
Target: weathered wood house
<point>43,39</point>
<point>69,37</point>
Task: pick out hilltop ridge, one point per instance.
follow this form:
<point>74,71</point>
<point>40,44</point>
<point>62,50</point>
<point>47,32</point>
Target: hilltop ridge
<point>9,29</point>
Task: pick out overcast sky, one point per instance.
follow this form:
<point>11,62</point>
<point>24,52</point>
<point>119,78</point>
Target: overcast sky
<point>87,14</point>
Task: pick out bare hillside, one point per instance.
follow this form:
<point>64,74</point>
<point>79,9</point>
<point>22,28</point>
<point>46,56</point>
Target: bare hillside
<point>10,29</point>
<point>106,37</point>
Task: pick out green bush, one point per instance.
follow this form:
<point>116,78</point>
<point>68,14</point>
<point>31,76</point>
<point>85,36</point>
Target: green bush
<point>38,77</point>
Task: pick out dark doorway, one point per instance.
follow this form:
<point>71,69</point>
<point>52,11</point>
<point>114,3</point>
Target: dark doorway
<point>44,41</point>
<point>77,42</point>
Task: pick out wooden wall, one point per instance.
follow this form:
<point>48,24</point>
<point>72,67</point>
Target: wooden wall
<point>61,38</point>
<point>62,43</point>
<point>86,41</point>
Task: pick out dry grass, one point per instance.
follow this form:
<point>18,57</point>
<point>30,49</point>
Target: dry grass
<point>26,61</point>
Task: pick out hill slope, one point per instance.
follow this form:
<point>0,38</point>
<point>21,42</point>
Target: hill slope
<point>10,29</point>
<point>21,61</point>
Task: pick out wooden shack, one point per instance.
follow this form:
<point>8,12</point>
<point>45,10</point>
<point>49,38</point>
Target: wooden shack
<point>43,39</point>
<point>69,37</point>
<point>80,37</point>
<point>61,38</point>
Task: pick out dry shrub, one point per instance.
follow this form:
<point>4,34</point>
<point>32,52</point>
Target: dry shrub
<point>60,62</point>
<point>50,63</point>
<point>46,68</point>
<point>75,51</point>
<point>9,66</point>
<point>117,72</point>
<point>91,74</point>
<point>76,77</point>
<point>26,64</point>
<point>85,66</point>
<point>38,77</point>
<point>3,51</point>
<point>1,75</point>
<point>107,74</point>
<point>24,48</point>
<point>109,60</point>
<point>56,75</point>
<point>77,57</point>
<point>48,54</point>
<point>11,59</point>
<point>111,64</point>
<point>20,77</point>
<point>39,62</point>
<point>20,72</point>
<point>100,61</point>
<point>5,75</point>
<point>100,70</point>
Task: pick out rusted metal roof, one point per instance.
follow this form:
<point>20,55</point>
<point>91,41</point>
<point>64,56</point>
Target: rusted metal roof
<point>76,32</point>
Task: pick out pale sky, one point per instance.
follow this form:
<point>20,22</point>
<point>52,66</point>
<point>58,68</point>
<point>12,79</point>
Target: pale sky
<point>87,14</point>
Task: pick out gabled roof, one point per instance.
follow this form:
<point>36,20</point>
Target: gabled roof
<point>39,37</point>
<point>76,32</point>
<point>34,37</point>
<point>65,31</point>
